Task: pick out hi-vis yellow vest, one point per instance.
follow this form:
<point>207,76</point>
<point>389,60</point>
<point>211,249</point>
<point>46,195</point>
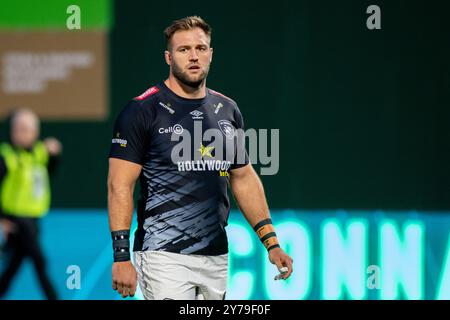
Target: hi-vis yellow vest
<point>25,190</point>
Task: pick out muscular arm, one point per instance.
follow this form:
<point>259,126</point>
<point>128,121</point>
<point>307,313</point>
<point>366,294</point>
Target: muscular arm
<point>121,181</point>
<point>125,166</point>
<point>249,194</point>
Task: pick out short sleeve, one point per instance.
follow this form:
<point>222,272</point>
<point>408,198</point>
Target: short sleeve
<point>131,135</point>
<point>241,156</point>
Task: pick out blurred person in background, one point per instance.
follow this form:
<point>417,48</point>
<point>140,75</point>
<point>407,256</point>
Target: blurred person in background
<point>25,163</point>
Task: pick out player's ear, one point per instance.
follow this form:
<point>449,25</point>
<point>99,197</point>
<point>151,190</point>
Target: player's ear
<point>168,57</point>
<point>210,59</point>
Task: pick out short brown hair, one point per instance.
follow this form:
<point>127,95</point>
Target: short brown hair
<point>187,23</point>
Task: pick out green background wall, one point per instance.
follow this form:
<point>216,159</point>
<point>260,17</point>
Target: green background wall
<point>363,115</point>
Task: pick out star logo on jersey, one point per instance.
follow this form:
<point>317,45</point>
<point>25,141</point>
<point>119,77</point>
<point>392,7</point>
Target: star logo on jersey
<point>206,151</point>
<point>196,115</point>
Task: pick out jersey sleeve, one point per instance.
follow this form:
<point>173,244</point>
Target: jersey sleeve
<point>241,156</point>
<point>131,134</point>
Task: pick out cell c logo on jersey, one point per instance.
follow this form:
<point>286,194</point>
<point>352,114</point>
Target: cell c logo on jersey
<point>227,128</point>
<point>177,129</point>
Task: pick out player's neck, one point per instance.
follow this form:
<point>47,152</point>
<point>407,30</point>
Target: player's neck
<point>184,91</point>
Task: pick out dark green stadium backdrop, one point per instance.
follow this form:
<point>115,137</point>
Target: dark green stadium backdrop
<point>363,115</point>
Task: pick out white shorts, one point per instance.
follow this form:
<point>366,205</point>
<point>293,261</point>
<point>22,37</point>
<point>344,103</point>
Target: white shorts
<point>172,276</point>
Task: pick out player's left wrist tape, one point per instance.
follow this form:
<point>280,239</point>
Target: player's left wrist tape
<point>121,245</point>
<point>266,233</point>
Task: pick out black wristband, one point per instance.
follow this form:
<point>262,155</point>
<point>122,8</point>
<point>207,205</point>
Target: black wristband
<point>262,223</point>
<point>266,233</point>
<point>273,247</point>
<point>121,245</point>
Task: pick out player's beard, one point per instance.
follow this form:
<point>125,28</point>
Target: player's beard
<point>187,80</point>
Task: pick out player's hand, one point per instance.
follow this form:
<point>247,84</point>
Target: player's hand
<point>54,147</point>
<point>279,258</point>
<point>124,278</point>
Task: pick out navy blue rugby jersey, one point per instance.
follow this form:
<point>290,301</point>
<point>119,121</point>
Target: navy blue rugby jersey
<point>186,148</point>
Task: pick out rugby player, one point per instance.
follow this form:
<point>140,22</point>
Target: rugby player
<point>180,246</point>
